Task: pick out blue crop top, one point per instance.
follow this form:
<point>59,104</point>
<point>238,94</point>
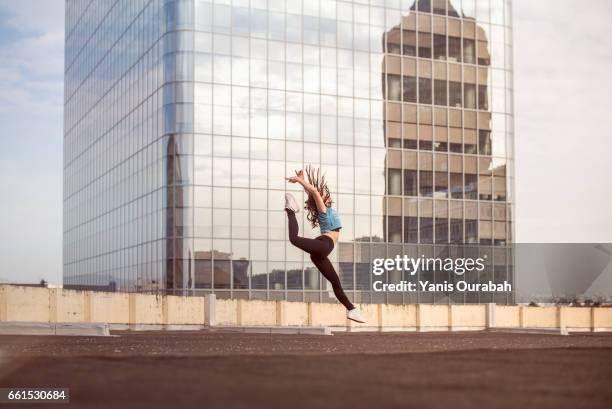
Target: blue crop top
<point>329,220</point>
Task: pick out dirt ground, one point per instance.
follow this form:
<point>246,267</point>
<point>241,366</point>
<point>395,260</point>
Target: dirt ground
<point>389,370</point>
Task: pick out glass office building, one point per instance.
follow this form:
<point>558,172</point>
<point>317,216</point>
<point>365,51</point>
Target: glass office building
<point>183,117</point>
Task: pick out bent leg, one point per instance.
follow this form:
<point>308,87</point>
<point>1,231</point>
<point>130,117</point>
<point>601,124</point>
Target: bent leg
<point>327,269</point>
<point>310,246</point>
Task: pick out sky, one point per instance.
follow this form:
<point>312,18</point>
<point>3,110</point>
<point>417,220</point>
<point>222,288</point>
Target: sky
<point>563,123</point>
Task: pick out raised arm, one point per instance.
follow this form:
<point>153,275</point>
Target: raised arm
<point>310,189</point>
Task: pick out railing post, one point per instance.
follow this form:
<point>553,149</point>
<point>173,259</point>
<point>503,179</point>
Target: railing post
<point>210,310</point>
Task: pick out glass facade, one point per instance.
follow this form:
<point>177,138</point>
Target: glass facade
<point>183,117</point>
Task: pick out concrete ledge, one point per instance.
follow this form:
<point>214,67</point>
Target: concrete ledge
<point>467,328</point>
<point>398,329</point>
<point>52,328</point>
<point>256,329</point>
<point>362,328</point>
<point>157,327</point>
<point>82,329</point>
<point>606,329</point>
<point>433,329</point>
<point>537,331</point>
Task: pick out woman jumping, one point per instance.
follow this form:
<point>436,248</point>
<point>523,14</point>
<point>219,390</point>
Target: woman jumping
<point>320,214</point>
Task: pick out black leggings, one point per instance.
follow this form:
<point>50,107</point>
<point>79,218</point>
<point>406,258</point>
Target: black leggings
<point>318,249</point>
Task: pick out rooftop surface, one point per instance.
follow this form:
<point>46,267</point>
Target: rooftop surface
<point>234,370</point>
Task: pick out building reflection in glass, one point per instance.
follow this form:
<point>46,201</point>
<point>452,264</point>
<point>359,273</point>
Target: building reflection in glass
<point>175,151</point>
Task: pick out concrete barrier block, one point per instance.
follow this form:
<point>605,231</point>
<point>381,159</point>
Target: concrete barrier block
<point>112,308</point>
<point>146,309</point>
<point>575,318</point>
<point>398,316</point>
<point>327,314</point>
<point>257,312</point>
<point>371,313</point>
<point>24,304</point>
<point>540,317</point>
<point>602,319</point>
<point>67,305</point>
<point>433,317</point>
<point>226,312</point>
<point>507,316</point>
<point>466,317</point>
<point>183,310</point>
<point>292,313</point>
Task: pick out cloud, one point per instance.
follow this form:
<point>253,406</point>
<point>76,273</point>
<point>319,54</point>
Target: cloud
<point>39,55</point>
<point>31,60</point>
<point>34,16</point>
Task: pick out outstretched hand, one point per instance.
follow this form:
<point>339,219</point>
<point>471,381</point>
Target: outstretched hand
<point>298,178</point>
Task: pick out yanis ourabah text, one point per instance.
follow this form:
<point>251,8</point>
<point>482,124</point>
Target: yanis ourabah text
<point>445,286</point>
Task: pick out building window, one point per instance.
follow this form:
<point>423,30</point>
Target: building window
<point>222,273</point>
<point>469,51</point>
<point>425,145</point>
<point>394,181</point>
<point>454,49</point>
<point>411,229</point>
<point>410,89</point>
<point>393,41</point>
<point>440,146</point>
<point>410,182</point>
<point>394,143</point>
<point>441,184</point>
<point>456,185</point>
<point>394,229</point>
<point>203,273</point>
<point>240,272</point>
<point>471,231</point>
<point>426,183</point>
<point>426,229</point>
<point>469,96</point>
<point>483,53</point>
<point>410,143</point>
<point>440,92</point>
<point>425,45</point>
<point>424,91</point>
<point>483,100</point>
<point>424,5</point>
<point>394,87</point>
<point>439,52</point>
<point>469,148</point>
<point>471,186</point>
<point>456,230</point>
<point>409,42</point>
<point>484,142</point>
<point>454,94</point>
<point>439,7</point>
<point>441,230</point>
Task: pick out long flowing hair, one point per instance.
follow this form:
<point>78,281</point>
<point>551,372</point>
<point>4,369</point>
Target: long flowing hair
<point>317,180</point>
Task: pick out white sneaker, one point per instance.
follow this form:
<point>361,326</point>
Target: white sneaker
<point>291,203</point>
<point>355,315</point>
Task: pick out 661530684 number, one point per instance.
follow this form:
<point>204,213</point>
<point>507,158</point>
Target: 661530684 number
<point>56,395</point>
